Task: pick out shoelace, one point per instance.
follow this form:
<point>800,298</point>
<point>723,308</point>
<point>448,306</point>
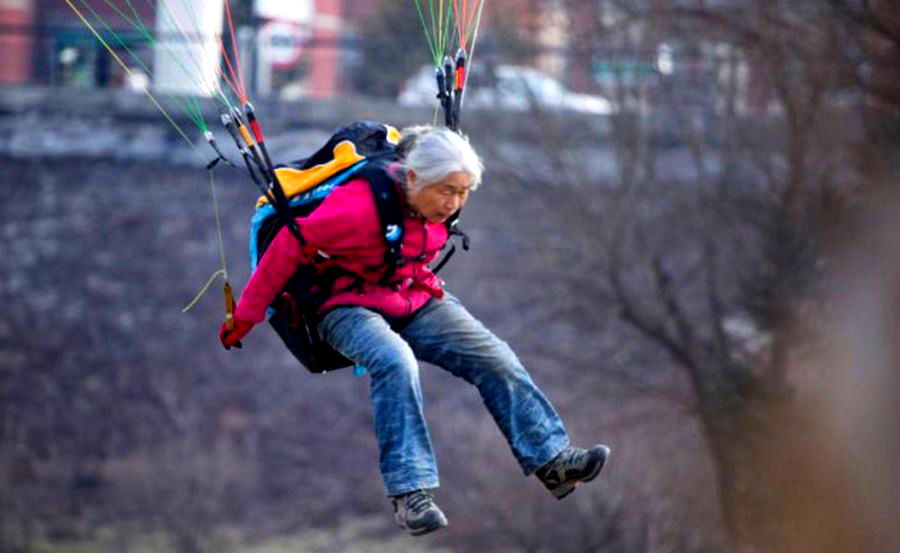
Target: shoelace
<point>570,458</point>
<point>418,501</point>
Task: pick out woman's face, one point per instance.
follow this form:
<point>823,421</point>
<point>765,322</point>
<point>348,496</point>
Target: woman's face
<point>438,201</point>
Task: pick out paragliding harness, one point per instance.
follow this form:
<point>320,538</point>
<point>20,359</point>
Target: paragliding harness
<point>363,149</point>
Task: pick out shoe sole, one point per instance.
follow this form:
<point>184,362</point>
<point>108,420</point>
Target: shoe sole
<point>565,489</point>
<point>435,525</point>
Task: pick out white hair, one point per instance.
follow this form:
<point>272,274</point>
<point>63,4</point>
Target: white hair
<point>432,153</point>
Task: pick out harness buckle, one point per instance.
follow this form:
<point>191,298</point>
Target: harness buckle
<point>393,233</point>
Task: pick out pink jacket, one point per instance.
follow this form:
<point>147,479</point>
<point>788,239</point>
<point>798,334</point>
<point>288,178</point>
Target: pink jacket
<point>347,229</point>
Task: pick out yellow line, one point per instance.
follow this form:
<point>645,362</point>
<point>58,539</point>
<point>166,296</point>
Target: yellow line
<point>202,292</point>
<point>127,70</point>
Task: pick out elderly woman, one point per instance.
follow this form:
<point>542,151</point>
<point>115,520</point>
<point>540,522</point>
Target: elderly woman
<point>439,171</point>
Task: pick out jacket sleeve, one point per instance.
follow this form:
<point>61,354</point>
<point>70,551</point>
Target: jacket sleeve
<point>274,270</point>
<point>331,228</point>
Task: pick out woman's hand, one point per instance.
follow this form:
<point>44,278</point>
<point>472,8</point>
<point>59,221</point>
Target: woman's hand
<point>233,337</point>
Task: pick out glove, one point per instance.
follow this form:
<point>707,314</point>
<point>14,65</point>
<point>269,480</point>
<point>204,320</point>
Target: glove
<point>233,337</point>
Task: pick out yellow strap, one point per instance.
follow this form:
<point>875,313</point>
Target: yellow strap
<point>298,181</point>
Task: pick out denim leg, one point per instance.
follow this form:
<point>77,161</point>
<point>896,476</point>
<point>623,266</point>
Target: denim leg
<point>406,457</point>
<point>446,334</point>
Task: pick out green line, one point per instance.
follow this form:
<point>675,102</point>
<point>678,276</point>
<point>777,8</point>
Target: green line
<point>193,112</point>
<point>117,37</point>
<point>435,28</point>
<point>197,65</point>
<point>428,39</point>
<point>444,25</point>
<point>224,270</point>
<point>201,121</point>
<point>216,87</point>
<point>167,49</point>
<point>190,100</point>
<point>435,31</point>
<point>125,67</point>
<point>448,35</point>
<point>212,186</point>
<point>424,26</point>
<point>195,21</point>
<point>217,94</point>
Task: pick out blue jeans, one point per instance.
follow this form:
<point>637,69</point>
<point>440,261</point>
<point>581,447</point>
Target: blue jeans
<point>445,334</point>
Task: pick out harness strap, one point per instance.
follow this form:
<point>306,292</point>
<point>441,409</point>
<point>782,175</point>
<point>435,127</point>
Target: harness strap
<point>444,259</point>
<point>293,310</point>
<point>453,230</point>
<point>390,214</point>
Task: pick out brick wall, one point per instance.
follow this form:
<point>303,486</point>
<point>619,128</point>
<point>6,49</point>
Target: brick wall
<point>325,61</point>
<point>16,43</point>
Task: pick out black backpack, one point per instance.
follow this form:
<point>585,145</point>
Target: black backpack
<point>363,149</point>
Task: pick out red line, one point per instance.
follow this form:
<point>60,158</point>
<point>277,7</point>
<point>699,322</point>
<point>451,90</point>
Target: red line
<point>237,57</point>
<point>228,64</point>
<point>228,82</point>
<point>456,14</point>
<point>465,18</point>
<point>472,15</point>
<point>231,84</point>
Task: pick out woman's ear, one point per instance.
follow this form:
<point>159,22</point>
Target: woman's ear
<point>410,178</point>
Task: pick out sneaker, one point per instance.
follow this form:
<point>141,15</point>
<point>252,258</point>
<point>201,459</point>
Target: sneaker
<point>572,466</point>
<point>416,512</point>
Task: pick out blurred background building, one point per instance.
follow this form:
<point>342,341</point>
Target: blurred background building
<point>318,49</point>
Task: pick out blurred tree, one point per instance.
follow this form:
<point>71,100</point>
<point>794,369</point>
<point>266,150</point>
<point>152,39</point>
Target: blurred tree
<point>392,49</point>
<point>711,262</point>
<point>873,32</point>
